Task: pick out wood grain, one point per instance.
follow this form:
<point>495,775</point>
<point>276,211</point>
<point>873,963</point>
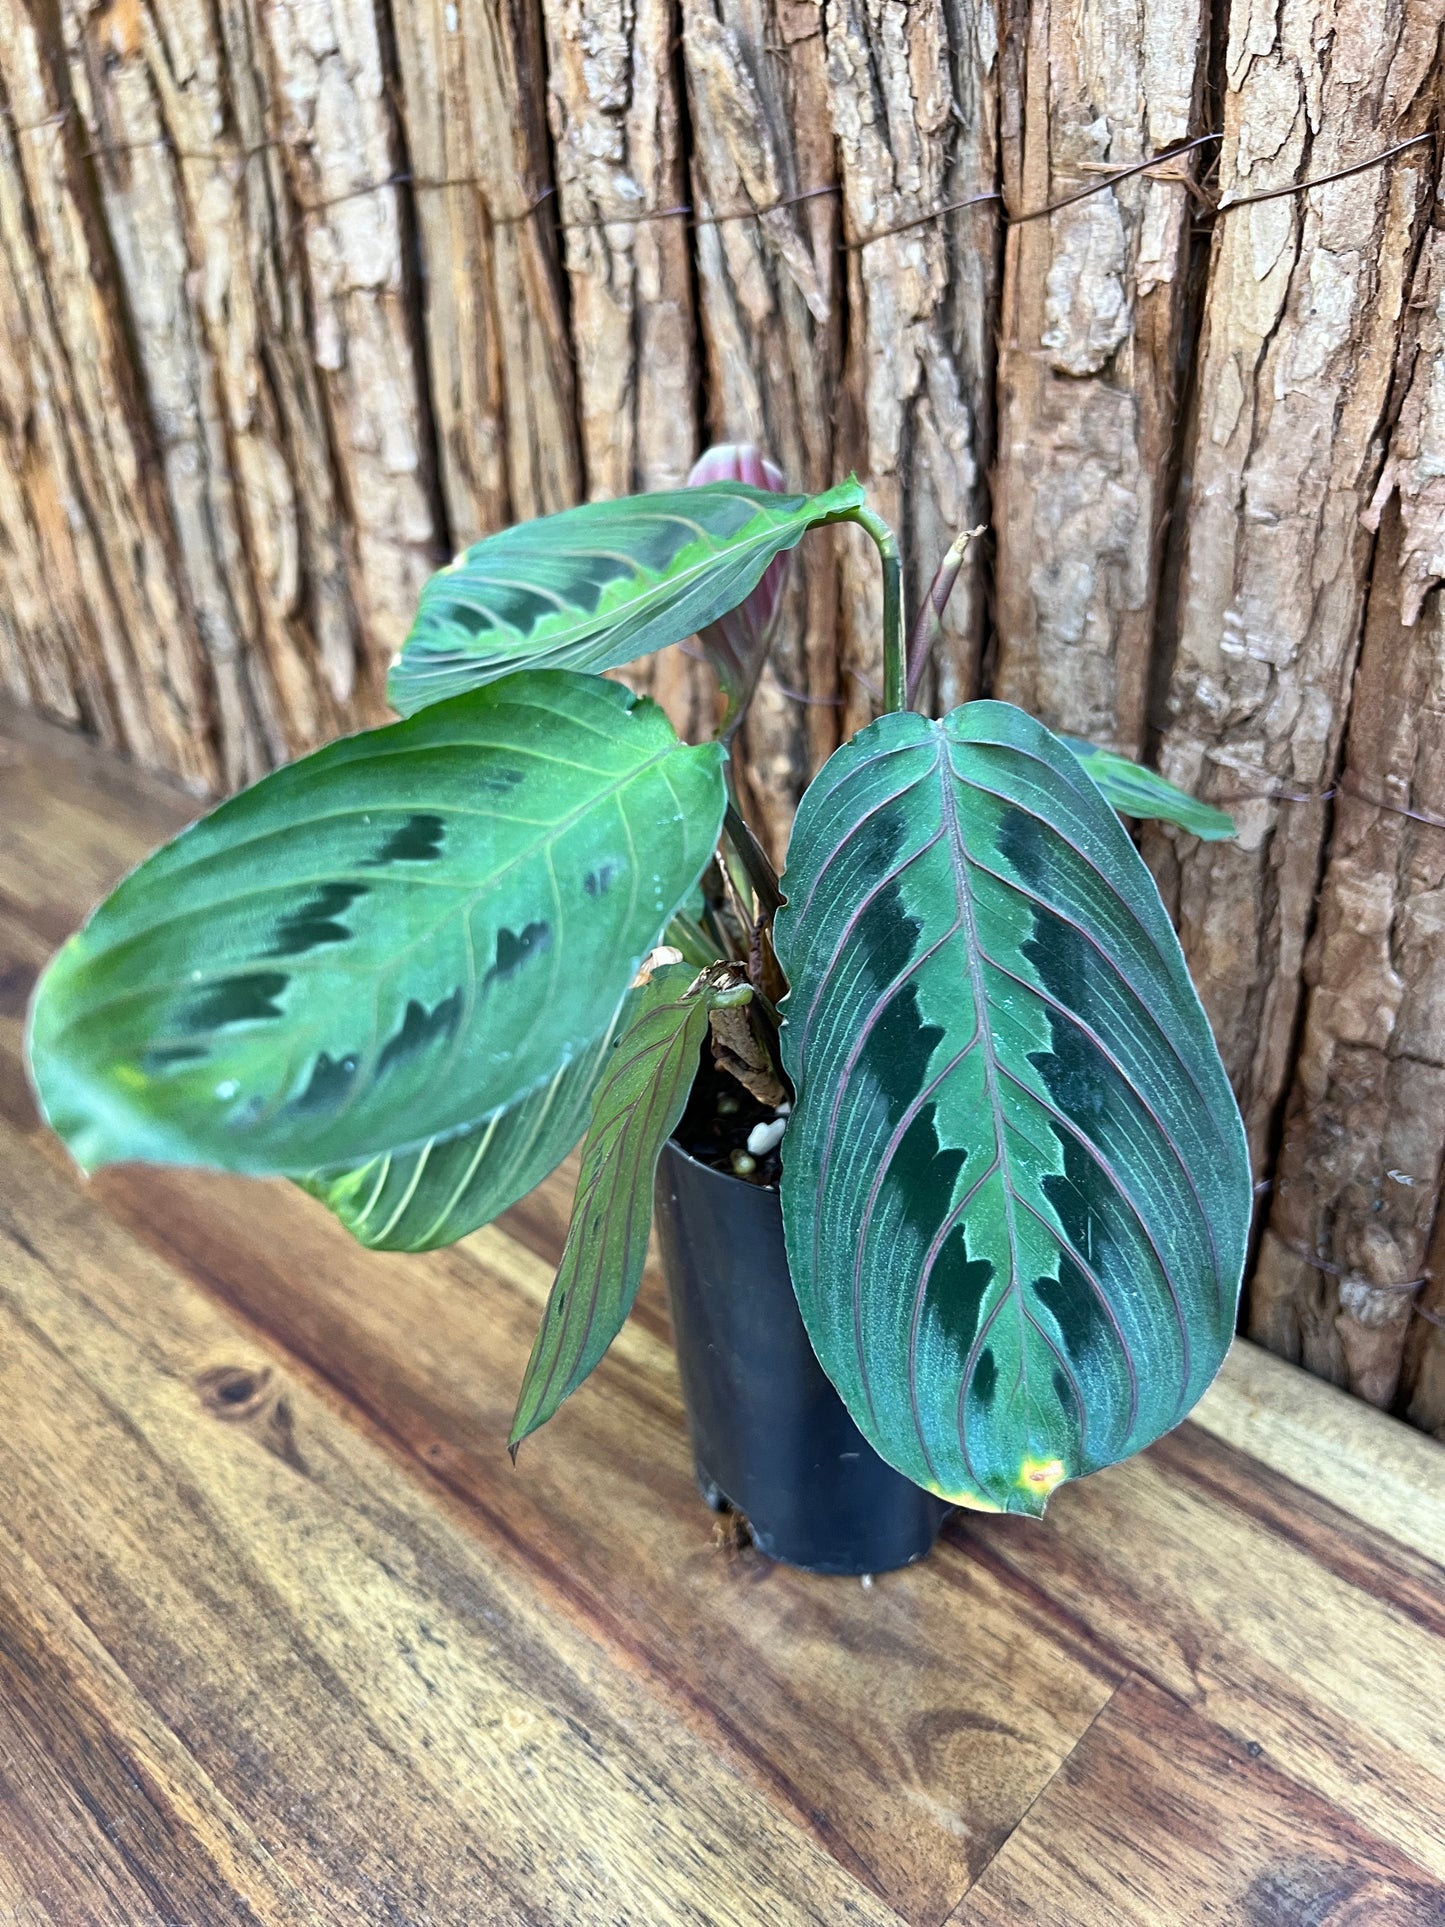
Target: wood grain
<point>285,1638</point>
<point>1159,1817</point>
<point>372,1669</point>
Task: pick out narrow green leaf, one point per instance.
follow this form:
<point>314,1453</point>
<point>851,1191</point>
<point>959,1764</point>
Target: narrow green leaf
<point>382,943</point>
<point>1015,1186</point>
<point>1135,791</point>
<point>420,1199</point>
<point>639,1101</point>
<point>598,586</point>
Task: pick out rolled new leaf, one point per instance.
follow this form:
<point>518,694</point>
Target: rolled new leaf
<point>382,943</point>
<point>737,643</point>
<point>641,1097</point>
<point>600,585</point>
<point>1135,791</point>
<point>1015,1187</point>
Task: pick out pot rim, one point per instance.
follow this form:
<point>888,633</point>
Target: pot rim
<point>723,1177</point>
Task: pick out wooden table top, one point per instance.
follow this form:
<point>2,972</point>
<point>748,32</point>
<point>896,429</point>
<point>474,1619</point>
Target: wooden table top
<point>285,1638</point>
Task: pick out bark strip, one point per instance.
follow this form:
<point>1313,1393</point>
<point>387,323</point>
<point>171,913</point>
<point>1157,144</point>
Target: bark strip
<point>1304,305</point>
<point>769,288</point>
<point>914,97</point>
<point>473,81</point>
<point>614,99</point>
<point>1094,310</point>
<point>97,617</point>
<point>1345,1260</point>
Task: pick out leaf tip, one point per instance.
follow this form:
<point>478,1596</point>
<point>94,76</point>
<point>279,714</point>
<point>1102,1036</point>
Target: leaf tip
<point>1220,826</point>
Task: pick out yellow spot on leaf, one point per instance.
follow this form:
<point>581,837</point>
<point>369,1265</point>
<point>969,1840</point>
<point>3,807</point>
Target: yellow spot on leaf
<point>1042,1475</point>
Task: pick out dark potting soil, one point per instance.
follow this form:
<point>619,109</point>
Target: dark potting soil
<point>715,1127</point>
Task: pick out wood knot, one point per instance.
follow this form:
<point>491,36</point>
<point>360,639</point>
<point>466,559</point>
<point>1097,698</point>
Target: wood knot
<point>234,1391</point>
<point>251,1393</point>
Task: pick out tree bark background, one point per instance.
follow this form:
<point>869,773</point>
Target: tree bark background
<point>297,297</point>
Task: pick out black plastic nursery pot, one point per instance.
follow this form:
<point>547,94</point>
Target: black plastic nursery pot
<point>770,1436</point>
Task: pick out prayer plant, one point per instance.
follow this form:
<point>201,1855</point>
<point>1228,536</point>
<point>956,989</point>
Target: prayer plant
<point>412,970</point>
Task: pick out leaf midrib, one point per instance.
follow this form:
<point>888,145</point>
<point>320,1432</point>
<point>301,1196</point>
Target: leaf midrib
<point>659,588</point>
<point>959,856</point>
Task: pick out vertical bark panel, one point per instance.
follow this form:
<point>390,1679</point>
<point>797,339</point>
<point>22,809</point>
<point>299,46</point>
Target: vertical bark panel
<point>336,121</point>
<point>769,295</point>
<point>1094,309</point>
<point>178,111</point>
<point>914,101</point>
<point>500,360</point>
<point>96,596</point>
<point>1303,308</point>
<point>1358,1178</point>
<point>1358,1182</point>
<point>614,99</point>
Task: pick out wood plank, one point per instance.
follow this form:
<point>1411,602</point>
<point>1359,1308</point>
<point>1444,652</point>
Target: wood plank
<point>909,1749</point>
<point>1159,1817</point>
<point>379,1698</point>
<point>1331,1444</point>
<point>95,1788</point>
<point>1264,1609</point>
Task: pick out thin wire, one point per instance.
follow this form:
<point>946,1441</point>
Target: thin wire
<point>1348,783</point>
<point>687,212</point>
<point>800,696</point>
<point>1346,1271</point>
<point>1033,213</point>
<point>1323,180</point>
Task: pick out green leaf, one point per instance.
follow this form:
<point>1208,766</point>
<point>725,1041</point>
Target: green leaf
<point>416,1200</point>
<point>382,943</point>
<point>599,585</point>
<point>639,1101</point>
<point>1135,791</point>
<point>1015,1186</point>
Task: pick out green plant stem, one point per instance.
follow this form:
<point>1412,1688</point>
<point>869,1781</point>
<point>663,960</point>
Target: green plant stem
<point>755,859</point>
<point>692,940</point>
<point>894,652</point>
<point>929,623</point>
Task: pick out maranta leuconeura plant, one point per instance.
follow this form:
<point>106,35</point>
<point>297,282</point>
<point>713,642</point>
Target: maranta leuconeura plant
<point>412,970</point>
